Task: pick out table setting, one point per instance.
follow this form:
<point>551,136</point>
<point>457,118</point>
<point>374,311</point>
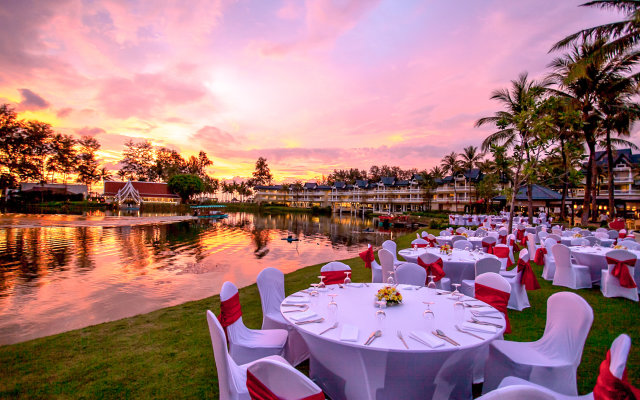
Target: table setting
<point>388,341</point>
<point>594,257</point>
<point>458,265</point>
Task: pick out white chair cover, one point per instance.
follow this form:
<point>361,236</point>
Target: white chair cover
<point>579,242</point>
<point>568,274</point>
<point>444,233</point>
<point>511,238</point>
<point>424,234</point>
<point>481,232</point>
<point>428,258</point>
<point>551,361</point>
<point>462,244</point>
<point>482,266</point>
<point>518,299</point>
<point>455,238</point>
<point>619,353</point>
<point>246,345</point>
<point>232,378</point>
<point>630,244</point>
<point>503,260</point>
<point>523,392</point>
<point>386,263</point>
<point>284,381</point>
<point>392,248</point>
<point>411,274</point>
<point>419,241</point>
<point>613,234</point>
<point>271,287</point>
<point>610,285</point>
<point>549,269</point>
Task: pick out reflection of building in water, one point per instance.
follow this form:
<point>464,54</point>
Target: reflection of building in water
<point>139,192</point>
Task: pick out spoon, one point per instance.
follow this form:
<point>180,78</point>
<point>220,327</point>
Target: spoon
<point>444,335</point>
<point>376,335</point>
<point>334,326</point>
<point>302,309</point>
<point>477,321</point>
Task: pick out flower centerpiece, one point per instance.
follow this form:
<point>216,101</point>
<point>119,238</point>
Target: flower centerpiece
<point>390,294</point>
<point>577,235</point>
<point>620,247</point>
<point>445,249</point>
<point>465,234</point>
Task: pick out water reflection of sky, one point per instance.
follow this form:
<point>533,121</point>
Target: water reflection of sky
<point>58,278</point>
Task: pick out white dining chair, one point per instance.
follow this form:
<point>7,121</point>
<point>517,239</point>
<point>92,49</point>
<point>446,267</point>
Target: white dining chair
<point>462,244</point>
<point>246,345</point>
<point>552,360</point>
<point>610,285</point>
<point>483,265</point>
<point>271,288</point>
<point>282,381</point>
<point>334,272</point>
<point>411,274</point>
<point>518,299</point>
<point>455,238</point>
<point>630,244</point>
<point>549,269</point>
<point>502,252</point>
<point>392,248</point>
<point>232,378</point>
<point>429,258</point>
<point>568,274</point>
<point>619,353</point>
<point>386,264</point>
<point>579,242</point>
<point>420,242</point>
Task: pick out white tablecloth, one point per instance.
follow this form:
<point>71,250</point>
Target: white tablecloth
<point>475,241</point>
<point>457,266</point>
<point>604,242</point>
<point>594,258</point>
<point>385,369</point>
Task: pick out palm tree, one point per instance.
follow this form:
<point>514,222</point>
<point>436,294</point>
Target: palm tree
<point>602,81</point>
<point>436,172</point>
<point>471,157</point>
<point>451,165</point>
<point>516,126</point>
<point>623,35</point>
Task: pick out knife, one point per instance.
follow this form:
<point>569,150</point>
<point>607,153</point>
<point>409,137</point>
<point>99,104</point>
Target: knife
<point>369,338</point>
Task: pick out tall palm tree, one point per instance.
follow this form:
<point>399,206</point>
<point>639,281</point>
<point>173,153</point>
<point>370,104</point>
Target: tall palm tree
<point>471,157</point>
<point>451,165</point>
<point>436,172</point>
<point>622,35</point>
<point>589,92</point>
<point>515,125</point>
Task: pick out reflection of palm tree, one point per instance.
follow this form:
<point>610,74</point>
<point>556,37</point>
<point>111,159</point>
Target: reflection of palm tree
<point>260,238</point>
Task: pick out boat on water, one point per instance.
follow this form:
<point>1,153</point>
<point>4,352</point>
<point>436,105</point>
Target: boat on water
<point>210,211</point>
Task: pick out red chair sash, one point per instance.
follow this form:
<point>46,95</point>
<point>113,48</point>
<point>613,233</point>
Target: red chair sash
<point>496,299</point>
<point>503,252</point>
<point>432,242</point>
<point>502,239</point>
<point>609,387</point>
<point>523,241</point>
<point>539,257</point>
<point>514,245</point>
<point>368,257</point>
<point>469,219</point>
<point>488,246</point>
<point>621,271</point>
<point>528,278</point>
<point>436,269</point>
<point>419,245</point>
<point>622,235</point>
<point>334,277</point>
<point>520,234</point>
<point>230,311</point>
<point>258,390</point>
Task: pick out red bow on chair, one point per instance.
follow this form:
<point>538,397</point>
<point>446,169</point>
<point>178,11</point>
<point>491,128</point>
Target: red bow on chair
<point>539,257</point>
<point>419,245</point>
<point>503,252</point>
<point>432,242</point>
<point>435,269</point>
<point>230,311</point>
<point>528,278</point>
<point>489,247</point>
<point>259,391</point>
<point>368,257</point>
<point>520,234</point>
<point>502,239</point>
<point>523,241</point>
<point>514,246</point>
<point>496,299</point>
<point>334,277</point>
<point>609,387</point>
<point>621,271</point>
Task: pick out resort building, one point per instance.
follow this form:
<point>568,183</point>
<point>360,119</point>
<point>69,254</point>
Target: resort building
<point>139,192</point>
<point>55,188</point>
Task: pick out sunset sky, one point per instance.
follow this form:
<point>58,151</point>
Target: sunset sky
<point>310,85</point>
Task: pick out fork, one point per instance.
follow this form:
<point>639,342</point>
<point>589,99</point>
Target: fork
<point>310,322</point>
<point>334,326</point>
<point>402,338</point>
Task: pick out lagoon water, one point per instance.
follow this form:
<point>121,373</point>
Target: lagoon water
<point>60,272</point>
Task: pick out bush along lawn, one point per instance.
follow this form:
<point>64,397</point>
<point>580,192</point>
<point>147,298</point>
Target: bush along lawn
<point>167,353</point>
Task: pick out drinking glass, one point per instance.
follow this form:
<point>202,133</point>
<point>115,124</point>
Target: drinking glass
<point>321,285</point>
<point>347,279</point>
<point>314,294</point>
<point>380,314</point>
<point>333,308</point>
<point>431,287</point>
<point>390,280</point>
<point>455,291</point>
<point>429,316</point>
<point>458,312</point>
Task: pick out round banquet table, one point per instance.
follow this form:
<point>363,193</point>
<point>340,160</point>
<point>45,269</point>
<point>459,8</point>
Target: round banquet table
<point>475,241</point>
<point>386,369</point>
<point>595,259</point>
<point>603,242</point>
<point>461,264</point>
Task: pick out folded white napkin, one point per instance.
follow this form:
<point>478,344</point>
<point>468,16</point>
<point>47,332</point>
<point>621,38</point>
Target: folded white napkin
<point>356,285</point>
<point>468,326</point>
<point>304,316</point>
<point>426,338</point>
<point>297,300</point>
<point>485,311</point>
<point>349,333</point>
<point>407,287</point>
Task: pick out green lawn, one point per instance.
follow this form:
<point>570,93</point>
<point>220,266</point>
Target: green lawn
<point>167,353</point>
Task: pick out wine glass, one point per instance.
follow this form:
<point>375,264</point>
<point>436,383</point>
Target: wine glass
<point>390,280</point>
<point>431,287</point>
<point>333,308</point>
<point>347,279</point>
<point>314,294</point>
<point>414,246</point>
<point>458,312</point>
<point>380,314</point>
<point>456,292</point>
<point>429,316</point>
<point>321,285</point>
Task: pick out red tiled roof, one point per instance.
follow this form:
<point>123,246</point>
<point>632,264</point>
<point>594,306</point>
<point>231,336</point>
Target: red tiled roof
<point>146,189</point>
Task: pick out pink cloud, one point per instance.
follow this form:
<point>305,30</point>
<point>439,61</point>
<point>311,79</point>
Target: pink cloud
<point>31,101</point>
<point>89,131</point>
